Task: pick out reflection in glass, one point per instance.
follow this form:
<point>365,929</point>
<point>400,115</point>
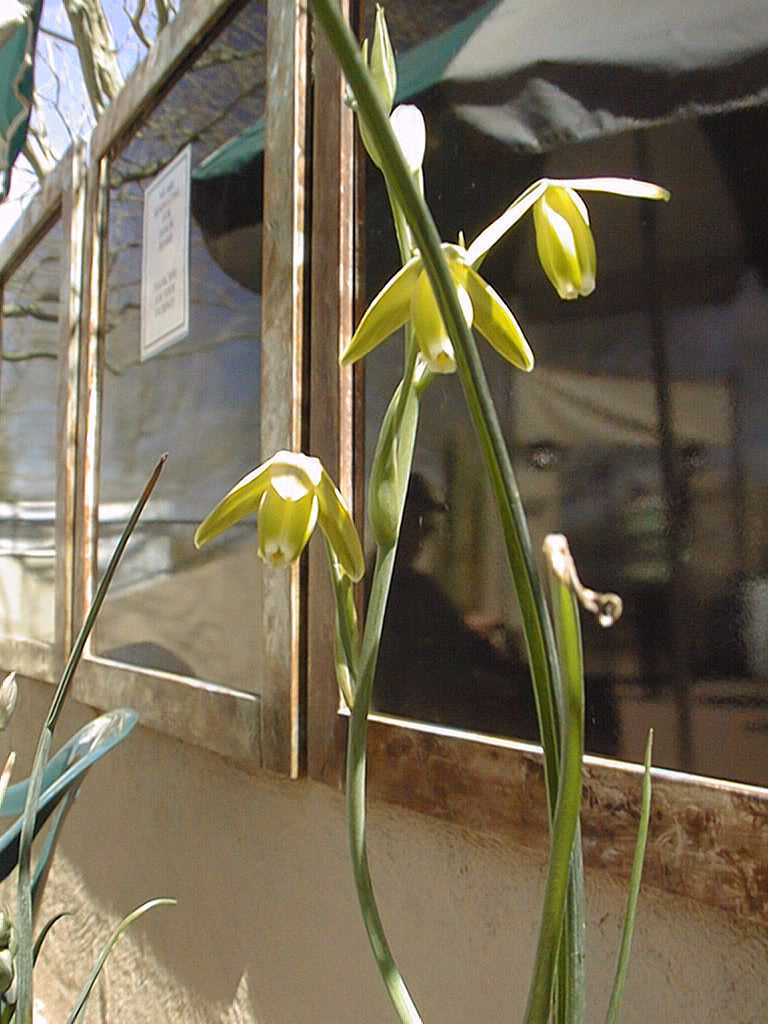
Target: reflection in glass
<point>172,608</point>
<point>28,444</point>
<point>641,434</point>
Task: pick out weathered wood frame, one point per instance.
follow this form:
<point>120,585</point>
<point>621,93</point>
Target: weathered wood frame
<point>708,839</point>
<point>61,198</point>
<point>258,728</point>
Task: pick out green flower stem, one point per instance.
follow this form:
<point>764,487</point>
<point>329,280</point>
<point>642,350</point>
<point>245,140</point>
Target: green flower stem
<point>402,230</point>
<point>537,626</point>
<point>357,738</point>
<point>357,735</point>
<point>568,630</point>
<point>347,640</point>
<point>398,447</point>
<point>538,629</point>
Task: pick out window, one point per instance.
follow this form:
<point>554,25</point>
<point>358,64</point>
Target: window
<point>40,281</point>
<point>181,637</point>
<point>638,435</point>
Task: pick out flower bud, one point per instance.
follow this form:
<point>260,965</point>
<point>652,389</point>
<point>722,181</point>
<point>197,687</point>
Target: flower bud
<point>388,484</point>
<point>383,68</point>
<point>408,125</point>
<point>384,74</point>
<point>564,242</point>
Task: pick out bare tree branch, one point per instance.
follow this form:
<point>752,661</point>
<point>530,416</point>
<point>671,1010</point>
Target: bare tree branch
<point>135,20</point>
<point>57,35</point>
<point>96,45</point>
<point>61,80</point>
<point>163,11</point>
<point>27,357</point>
<point>229,55</point>
<point>38,151</point>
<point>15,310</point>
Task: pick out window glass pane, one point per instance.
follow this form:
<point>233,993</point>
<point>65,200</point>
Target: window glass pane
<point>641,434</point>
<point>28,442</point>
<point>172,608</point>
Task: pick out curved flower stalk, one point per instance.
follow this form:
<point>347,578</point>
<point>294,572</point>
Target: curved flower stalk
<point>409,296</point>
<point>290,493</point>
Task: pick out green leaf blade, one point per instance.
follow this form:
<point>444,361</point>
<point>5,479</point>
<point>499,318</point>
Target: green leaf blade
<point>625,948</point>
<point>114,938</point>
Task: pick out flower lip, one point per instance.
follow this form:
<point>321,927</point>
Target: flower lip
<point>298,462</point>
<point>289,487</point>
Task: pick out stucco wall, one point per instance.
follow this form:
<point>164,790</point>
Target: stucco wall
<point>266,929</point>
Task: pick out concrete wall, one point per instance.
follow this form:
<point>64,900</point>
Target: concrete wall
<point>267,931</point>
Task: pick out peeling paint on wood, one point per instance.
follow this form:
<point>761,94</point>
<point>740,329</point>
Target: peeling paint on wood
<point>708,840</point>
<point>282,362</point>
<point>331,386</point>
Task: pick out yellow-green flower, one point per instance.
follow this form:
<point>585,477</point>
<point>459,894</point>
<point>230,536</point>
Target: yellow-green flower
<point>563,236</point>
<point>409,295</point>
<point>564,242</point>
<point>495,231</point>
<point>290,493</point>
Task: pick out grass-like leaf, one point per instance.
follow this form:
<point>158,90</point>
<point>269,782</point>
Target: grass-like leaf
<point>24,956</point>
<point>114,938</point>
<point>625,948</point>
<point>44,932</point>
<point>570,700</point>
<point>5,777</point>
<point>570,990</point>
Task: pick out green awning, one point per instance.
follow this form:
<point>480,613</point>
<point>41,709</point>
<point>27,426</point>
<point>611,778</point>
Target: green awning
<point>16,90</point>
<point>234,156</point>
<point>423,66</point>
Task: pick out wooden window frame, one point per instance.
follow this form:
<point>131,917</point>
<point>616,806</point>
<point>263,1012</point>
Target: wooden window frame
<point>708,838</point>
<point>258,729</point>
<point>61,199</point>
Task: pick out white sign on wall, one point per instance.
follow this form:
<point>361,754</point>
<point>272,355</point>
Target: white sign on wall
<point>165,258</point>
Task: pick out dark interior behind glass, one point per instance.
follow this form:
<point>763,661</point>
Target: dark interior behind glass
<point>641,434</point>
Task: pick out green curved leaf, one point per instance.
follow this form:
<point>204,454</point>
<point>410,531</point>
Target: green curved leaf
<point>114,938</point>
<point>44,932</point>
<point>635,877</point>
